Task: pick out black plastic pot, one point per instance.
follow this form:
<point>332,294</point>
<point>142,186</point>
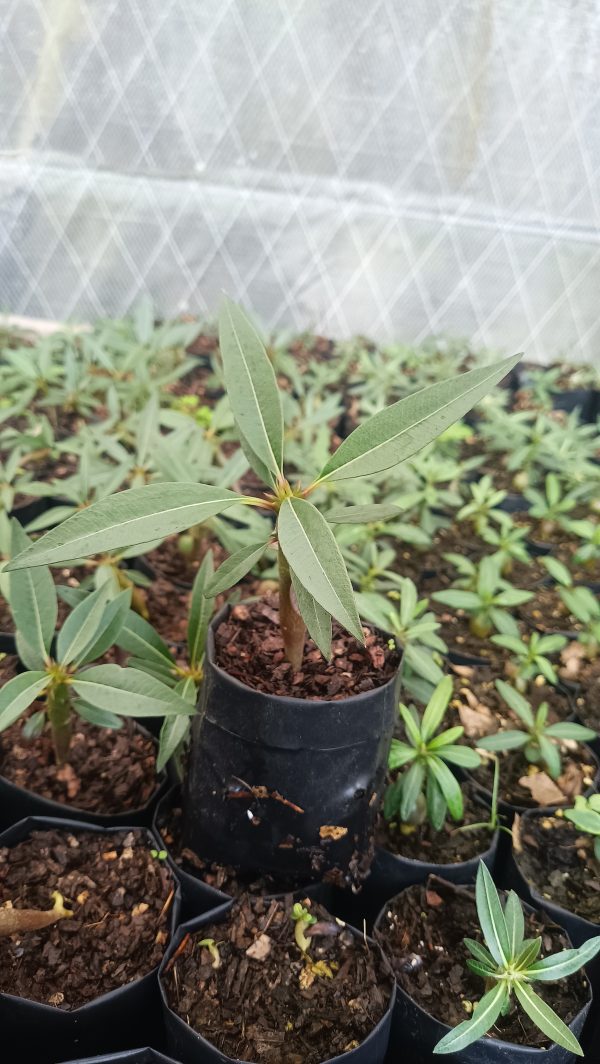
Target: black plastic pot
<point>17,803</point>
<point>193,886</point>
<point>415,1033</point>
<point>131,1056</point>
<point>514,503</point>
<point>189,1047</point>
<point>28,511</point>
<point>578,928</point>
<point>584,400</point>
<point>121,1019</point>
<point>317,770</point>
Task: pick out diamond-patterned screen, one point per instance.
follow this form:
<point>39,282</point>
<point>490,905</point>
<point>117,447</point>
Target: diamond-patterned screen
<point>391,167</point>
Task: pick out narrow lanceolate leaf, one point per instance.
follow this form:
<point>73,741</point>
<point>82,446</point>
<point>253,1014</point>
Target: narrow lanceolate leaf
<point>137,515</point>
<point>17,695</point>
<point>449,786</point>
<point>529,953</point>
<point>138,637</point>
<point>479,951</point>
<point>100,717</point>
<point>175,729</point>
<point>412,785</point>
<point>546,1019</point>
<point>317,620</point>
<point>564,963</point>
<point>111,622</point>
<point>201,608</point>
<point>33,600</point>
<point>362,515</point>
<point>491,917</point>
<point>251,386</point>
<point>515,923</point>
<point>484,1016</point>
<point>421,661</point>
<point>400,754</point>
<point>81,626</point>
<point>128,692</point>
<point>235,567</point>
<point>404,428</point>
<point>434,714</point>
<point>314,556</point>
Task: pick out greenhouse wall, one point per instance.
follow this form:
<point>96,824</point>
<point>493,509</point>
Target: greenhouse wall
<point>395,168</point>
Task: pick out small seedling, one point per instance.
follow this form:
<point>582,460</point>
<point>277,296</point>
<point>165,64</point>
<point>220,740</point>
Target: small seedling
<point>509,963</point>
<point>159,855</point>
<point>428,788</point>
<point>483,505</point>
<point>530,657</point>
<point>539,740</point>
<point>586,817</point>
<point>488,601</point>
<point>213,949</point>
<point>302,921</point>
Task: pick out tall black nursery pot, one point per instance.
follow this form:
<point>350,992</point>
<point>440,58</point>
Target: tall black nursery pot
<point>189,1047</point>
<point>286,785</point>
<point>122,1019</point>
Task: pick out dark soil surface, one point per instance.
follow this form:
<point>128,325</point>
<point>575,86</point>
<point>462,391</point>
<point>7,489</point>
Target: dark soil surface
<point>168,609</point>
<point>221,877</point>
<point>547,612</point>
<point>200,381</point>
<point>181,569</point>
<point>120,897</point>
<point>109,771</point>
<point>9,664</point>
<point>457,635</point>
<point>6,622</point>
<point>249,646</point>
<point>558,862</point>
<point>577,668</point>
<point>267,1001</point>
<point>422,933</point>
<point>480,708</point>
<point>582,573</point>
<point>525,785</point>
<point>448,846</point>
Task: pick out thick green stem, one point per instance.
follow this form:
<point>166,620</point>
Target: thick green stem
<point>293,628</point>
<point>59,715</point>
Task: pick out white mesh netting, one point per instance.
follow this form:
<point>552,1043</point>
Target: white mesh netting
<point>394,167</point>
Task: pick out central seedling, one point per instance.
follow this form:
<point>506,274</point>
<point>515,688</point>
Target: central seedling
<point>314,585</point>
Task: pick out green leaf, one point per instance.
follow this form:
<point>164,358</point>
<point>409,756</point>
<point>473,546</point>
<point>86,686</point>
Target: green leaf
<point>436,805</point>
<point>235,567</point>
<point>550,756</point>
<point>17,695</point>
<point>479,951</point>
<point>312,553</point>
<point>445,738</point>
<point>32,660</point>
<point>458,600</point>
<point>421,662</point>
<point>515,923</point>
<point>401,430</point>
<point>462,756</point>
<point>201,609</point>
<point>529,953</point>
<point>128,692</point>
<point>546,1019</point>
<point>111,623</point>
<point>100,717</point>
<point>484,1016</point>
<point>515,701</point>
<point>565,963</point>
<point>571,730</point>
<point>412,786</point>
<point>138,637</point>
<point>483,970</point>
<point>33,600</point>
<point>175,729</point>
<point>491,917</point>
<point>434,713</point>
<point>358,515</point>
<point>137,515</point>
<point>251,386</point>
<point>411,724</point>
<point>504,740</point>
<point>80,627</point>
<point>449,786</point>
<point>400,754</point>
<point>317,620</point>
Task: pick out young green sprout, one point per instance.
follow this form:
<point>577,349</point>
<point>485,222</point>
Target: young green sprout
<point>211,946</point>
<point>487,602</point>
<point>551,506</point>
<point>428,788</point>
<point>538,740</point>
<point>509,963</point>
<point>302,921</point>
<point>530,657</point>
<point>485,499</point>
<point>509,540</point>
<point>585,815</point>
<point>314,585</point>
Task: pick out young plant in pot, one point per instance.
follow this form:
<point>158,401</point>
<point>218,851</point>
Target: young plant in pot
<point>541,761</point>
<point>70,752</point>
<point>263,788</point>
<point>313,988</point>
<point>443,1006</point>
<point>557,861</point>
<point>426,802</point>
<point>481,610</point>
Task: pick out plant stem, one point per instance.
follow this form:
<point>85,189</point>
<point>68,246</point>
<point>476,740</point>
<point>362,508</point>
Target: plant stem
<point>59,715</point>
<point>293,628</point>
